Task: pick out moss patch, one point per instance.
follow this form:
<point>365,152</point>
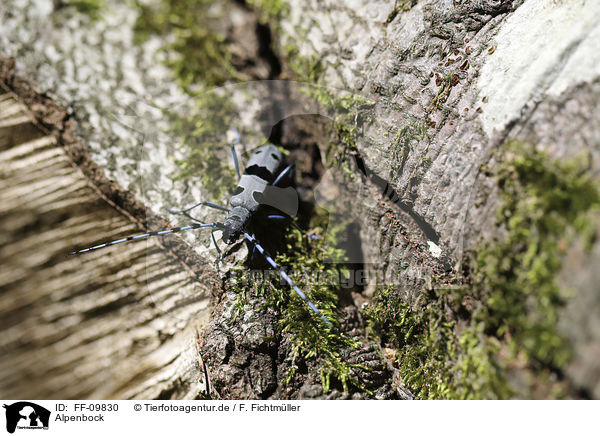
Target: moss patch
<point>91,8</point>
<point>203,133</point>
<point>545,203</point>
<point>271,11</point>
<point>399,7</point>
<point>310,338</point>
<point>461,342</point>
<point>434,361</point>
<point>197,47</point>
<point>348,112</point>
<point>197,50</point>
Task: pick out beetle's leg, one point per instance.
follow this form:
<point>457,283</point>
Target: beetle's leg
<point>234,154</point>
<point>308,235</point>
<point>212,235</point>
<point>202,203</point>
<point>282,218</point>
<point>282,174</point>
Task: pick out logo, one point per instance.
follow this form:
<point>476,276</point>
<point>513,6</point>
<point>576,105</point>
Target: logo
<point>26,415</point>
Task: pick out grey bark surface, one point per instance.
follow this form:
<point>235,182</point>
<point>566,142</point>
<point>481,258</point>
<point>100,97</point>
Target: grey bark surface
<point>515,69</point>
<point>518,69</point>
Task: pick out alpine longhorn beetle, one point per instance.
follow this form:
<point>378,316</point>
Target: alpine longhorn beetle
<point>257,187</point>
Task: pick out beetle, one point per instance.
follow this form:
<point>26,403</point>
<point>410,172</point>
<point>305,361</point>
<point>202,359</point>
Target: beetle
<point>258,188</point>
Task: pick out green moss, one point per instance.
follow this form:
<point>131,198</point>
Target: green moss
<point>271,11</point>
<point>403,141</point>
<point>399,7</point>
<point>306,69</point>
<point>91,8</point>
<point>459,342</point>
<point>315,266</point>
<point>198,52</point>
<point>203,133</point>
<point>405,5</point>
<point>433,361</point>
<point>545,202</point>
<point>309,336</point>
<point>348,112</point>
<point>442,94</point>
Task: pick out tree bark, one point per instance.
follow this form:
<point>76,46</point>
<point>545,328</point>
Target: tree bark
<point>450,83</point>
<point>114,324</point>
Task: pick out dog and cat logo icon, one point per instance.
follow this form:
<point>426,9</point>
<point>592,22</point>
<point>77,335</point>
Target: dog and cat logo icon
<point>26,415</point>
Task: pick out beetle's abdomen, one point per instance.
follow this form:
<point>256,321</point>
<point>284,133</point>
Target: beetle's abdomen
<point>265,163</point>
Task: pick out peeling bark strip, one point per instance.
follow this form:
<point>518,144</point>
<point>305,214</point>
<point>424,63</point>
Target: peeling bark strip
<point>112,324</point>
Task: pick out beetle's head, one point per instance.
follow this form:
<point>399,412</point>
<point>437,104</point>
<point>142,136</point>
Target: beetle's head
<point>235,224</point>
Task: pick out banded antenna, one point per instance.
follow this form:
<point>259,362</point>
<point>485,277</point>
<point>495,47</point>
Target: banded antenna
<point>149,234</point>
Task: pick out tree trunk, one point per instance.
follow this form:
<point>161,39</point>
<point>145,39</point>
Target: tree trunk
<point>438,92</point>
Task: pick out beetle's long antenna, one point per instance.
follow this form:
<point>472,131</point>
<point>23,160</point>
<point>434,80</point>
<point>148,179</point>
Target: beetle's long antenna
<point>296,226</point>
<point>147,235</point>
<point>285,276</point>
